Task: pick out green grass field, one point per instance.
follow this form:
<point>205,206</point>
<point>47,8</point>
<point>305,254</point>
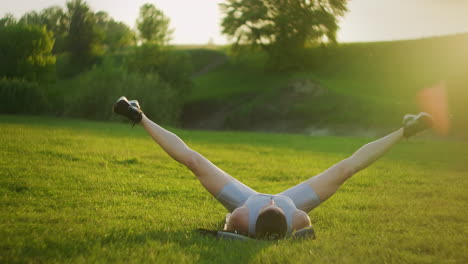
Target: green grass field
<point>92,192</point>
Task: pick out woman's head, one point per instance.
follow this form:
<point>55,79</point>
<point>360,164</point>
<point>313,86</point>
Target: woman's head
<point>271,222</point>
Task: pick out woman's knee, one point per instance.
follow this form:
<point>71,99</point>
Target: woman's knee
<point>345,169</point>
<point>191,160</point>
<point>348,171</point>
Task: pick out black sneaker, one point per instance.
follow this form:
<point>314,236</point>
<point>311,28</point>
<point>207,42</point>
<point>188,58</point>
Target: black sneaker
<point>414,124</point>
<point>129,109</point>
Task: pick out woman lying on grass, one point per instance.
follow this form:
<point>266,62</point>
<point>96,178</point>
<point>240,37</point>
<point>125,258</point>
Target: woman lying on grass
<point>261,215</point>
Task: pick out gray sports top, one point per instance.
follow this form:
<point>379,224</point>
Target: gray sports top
<point>258,201</point>
<point>236,194</point>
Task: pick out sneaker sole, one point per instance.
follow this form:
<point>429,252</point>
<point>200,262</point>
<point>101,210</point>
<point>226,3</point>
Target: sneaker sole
<point>121,106</point>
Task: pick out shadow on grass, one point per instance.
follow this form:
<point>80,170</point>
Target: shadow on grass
<point>206,249</point>
<point>124,244</point>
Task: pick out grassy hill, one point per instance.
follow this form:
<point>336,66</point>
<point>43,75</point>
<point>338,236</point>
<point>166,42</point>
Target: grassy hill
<point>77,191</point>
<point>357,85</point>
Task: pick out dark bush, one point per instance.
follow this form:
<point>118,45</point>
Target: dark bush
<point>19,96</point>
<point>172,66</point>
<point>92,94</point>
<point>67,69</point>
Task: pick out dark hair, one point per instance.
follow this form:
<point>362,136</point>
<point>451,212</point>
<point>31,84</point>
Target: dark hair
<point>271,224</point>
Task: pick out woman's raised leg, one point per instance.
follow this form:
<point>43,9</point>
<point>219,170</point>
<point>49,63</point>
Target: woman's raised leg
<point>310,193</point>
<point>230,192</point>
<point>326,183</point>
<point>210,176</point>
<point>317,189</point>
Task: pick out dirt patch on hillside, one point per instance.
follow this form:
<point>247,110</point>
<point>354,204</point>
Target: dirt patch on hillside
<point>301,106</point>
<point>216,63</point>
<point>274,112</point>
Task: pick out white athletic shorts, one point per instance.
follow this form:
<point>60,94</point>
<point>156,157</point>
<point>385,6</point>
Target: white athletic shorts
<point>234,194</point>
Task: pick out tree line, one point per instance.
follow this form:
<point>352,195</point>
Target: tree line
<point>43,49</point>
<point>78,31</point>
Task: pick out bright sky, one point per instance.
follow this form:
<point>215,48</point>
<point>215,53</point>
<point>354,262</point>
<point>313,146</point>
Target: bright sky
<point>198,21</point>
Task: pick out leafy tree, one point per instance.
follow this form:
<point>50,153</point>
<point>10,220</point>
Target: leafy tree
<point>119,36</point>
<point>26,52</point>
<point>282,28</point>
<point>7,20</point>
<point>83,40</point>
<point>153,25</point>
<point>172,66</point>
<point>116,35</point>
<point>55,20</point>
<point>31,18</point>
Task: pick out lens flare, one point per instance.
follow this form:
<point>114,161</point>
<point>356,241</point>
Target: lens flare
<point>433,100</point>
